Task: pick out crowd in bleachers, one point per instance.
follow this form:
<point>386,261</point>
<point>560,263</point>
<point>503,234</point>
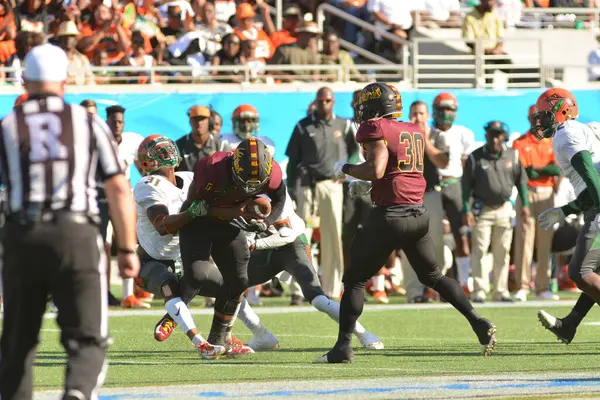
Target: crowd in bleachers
<point>150,33</point>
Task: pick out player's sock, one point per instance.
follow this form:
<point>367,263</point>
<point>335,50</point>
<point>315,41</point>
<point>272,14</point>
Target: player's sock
<point>463,265</point>
<point>351,307</point>
<point>332,308</point>
<point>180,314</point>
<point>583,305</point>
<point>127,287</point>
<point>451,291</point>
<point>378,283</point>
<point>225,314</point>
<point>198,339</point>
<point>250,319</point>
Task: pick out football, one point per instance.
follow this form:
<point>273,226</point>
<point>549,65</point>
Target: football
<point>259,205</point>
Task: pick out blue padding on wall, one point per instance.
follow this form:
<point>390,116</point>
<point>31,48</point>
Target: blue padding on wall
<point>279,111</point>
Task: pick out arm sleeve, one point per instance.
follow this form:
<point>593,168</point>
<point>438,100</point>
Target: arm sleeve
<point>108,160</point>
<point>531,173</point>
<point>278,197</point>
<point>581,203</point>
<point>274,241</point>
<point>467,181</point>
<point>550,170</point>
<point>521,179</point>
<point>583,164</point>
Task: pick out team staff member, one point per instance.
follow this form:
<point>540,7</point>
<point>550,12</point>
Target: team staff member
<point>490,174</point>
<point>537,157</point>
<point>200,142</point>
<point>317,142</point>
<point>48,152</point>
<point>394,164</point>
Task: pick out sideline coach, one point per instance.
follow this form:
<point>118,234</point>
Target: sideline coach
<point>50,152</point>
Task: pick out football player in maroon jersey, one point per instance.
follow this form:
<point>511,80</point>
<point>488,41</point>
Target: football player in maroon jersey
<point>394,165</point>
<point>223,185</point>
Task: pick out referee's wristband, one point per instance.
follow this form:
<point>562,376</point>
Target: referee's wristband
<point>346,168</point>
<point>125,251</point>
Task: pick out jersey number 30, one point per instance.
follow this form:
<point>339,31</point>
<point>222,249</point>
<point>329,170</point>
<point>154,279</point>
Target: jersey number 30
<point>410,152</point>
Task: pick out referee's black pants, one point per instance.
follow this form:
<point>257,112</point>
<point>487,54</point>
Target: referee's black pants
<point>199,240</point>
<point>64,259</point>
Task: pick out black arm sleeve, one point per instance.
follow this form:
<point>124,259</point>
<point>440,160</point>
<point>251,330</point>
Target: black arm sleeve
<point>277,203</point>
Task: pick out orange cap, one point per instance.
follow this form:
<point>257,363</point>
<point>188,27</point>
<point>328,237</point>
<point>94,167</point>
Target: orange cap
<point>199,111</point>
<point>244,10</point>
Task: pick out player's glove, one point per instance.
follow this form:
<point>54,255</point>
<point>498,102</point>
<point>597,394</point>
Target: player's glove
<point>550,217</point>
<point>253,225</point>
<point>359,188</point>
<point>337,170</point>
<point>199,208</point>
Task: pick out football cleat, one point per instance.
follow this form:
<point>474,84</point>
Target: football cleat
<point>164,328</point>
<point>562,331</point>
<point>336,356</point>
<point>133,302</point>
<point>208,351</point>
<point>370,341</point>
<point>235,347</point>
<point>263,341</point>
<point>486,333</point>
<point>381,297</point>
<point>142,294</point>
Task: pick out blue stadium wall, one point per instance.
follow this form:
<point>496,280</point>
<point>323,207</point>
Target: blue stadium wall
<point>165,113</point>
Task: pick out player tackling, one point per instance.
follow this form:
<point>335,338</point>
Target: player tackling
<point>394,165</point>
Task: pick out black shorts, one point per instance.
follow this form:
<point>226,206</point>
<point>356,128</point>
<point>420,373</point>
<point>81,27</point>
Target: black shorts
<point>403,227</point>
<point>586,257</point>
<point>293,258</point>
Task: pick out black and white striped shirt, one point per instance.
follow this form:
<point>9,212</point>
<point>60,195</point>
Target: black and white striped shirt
<point>50,152</point>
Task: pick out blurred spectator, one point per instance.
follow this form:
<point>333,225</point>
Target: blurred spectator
<point>103,76</point>
<point>105,32</point>
<point>303,52</point>
<point>483,22</point>
<point>211,29</point>
<point>90,106</point>
<point>87,11</point>
<point>594,62</point>
<point>510,12</point>
<point>215,123</point>
<point>357,8</point>
<point>287,35</point>
<point>392,16</point>
<point>176,25</point>
<point>228,55</point>
<point>225,9</point>
<point>490,175</point>
<point>24,42</point>
<point>8,31</point>
<point>29,16</point>
<point>537,157</point>
<point>333,55</point>
<point>138,57</point>
<point>246,30</point>
<point>180,9</point>
<point>248,57</point>
<point>80,72</point>
<point>149,21</point>
<point>262,19</point>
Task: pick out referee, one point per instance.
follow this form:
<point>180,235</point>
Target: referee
<point>50,152</point>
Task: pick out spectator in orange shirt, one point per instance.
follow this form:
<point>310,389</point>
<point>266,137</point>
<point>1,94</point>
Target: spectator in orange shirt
<point>244,16</point>
<point>291,17</point>
<point>537,157</point>
<point>105,32</point>
<point>8,31</point>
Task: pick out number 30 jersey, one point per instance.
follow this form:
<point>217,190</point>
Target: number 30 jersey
<point>403,181</point>
<point>154,190</point>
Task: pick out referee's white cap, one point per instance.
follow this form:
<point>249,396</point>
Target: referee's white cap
<point>46,63</point>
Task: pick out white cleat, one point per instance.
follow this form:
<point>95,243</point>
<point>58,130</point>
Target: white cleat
<point>521,295</point>
<point>370,341</point>
<point>264,341</point>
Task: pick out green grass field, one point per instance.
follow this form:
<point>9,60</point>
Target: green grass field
<point>421,342</point>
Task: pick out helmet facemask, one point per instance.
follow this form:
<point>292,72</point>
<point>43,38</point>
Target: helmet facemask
<point>545,124</point>
<point>444,114</point>
<point>245,128</point>
<point>159,153</point>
